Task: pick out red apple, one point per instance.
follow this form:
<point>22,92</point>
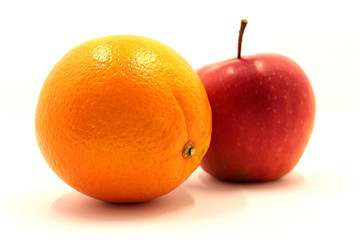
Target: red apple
<point>263,109</point>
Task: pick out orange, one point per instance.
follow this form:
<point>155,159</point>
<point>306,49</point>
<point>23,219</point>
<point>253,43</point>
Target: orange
<point>123,118</point>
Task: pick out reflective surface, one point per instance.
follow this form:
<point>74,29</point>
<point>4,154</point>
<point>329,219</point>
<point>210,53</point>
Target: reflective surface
<point>320,197</point>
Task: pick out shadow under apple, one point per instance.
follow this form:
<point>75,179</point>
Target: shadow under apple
<point>201,197</point>
<point>293,180</point>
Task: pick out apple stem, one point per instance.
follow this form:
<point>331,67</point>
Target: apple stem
<point>241,33</point>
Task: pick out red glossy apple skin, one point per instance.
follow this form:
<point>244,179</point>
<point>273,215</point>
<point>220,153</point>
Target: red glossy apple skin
<point>263,111</point>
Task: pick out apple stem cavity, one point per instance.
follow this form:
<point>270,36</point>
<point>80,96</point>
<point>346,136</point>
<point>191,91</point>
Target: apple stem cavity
<point>241,33</point>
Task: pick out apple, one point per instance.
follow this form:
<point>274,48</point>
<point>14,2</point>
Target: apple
<point>263,111</point>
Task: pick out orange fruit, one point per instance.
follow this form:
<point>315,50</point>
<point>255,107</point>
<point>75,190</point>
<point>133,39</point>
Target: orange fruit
<point>123,118</point>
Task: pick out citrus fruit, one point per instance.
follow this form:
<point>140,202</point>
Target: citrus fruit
<point>123,118</point>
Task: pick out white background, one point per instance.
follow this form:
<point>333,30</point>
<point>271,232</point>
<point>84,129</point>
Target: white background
<point>318,199</point>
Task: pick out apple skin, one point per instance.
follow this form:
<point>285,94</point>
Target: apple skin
<point>263,111</point>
